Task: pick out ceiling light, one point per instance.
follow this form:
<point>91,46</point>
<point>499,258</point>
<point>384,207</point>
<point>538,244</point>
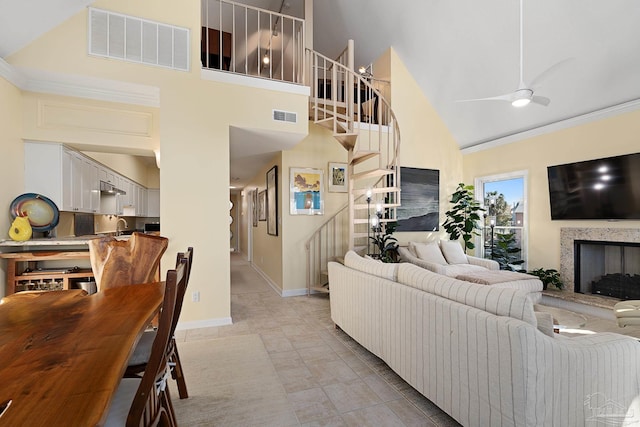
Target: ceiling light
<point>522,98</point>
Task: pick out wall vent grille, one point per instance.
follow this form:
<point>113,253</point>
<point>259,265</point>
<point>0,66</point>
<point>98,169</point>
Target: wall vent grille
<point>285,116</point>
<point>128,38</point>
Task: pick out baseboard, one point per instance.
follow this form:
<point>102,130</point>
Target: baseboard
<point>284,294</point>
<point>208,323</point>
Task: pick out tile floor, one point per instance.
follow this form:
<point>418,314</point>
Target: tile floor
<point>328,378</point>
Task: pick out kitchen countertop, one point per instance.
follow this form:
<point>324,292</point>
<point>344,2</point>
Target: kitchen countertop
<point>56,241</point>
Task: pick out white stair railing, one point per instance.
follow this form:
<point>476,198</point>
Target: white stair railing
<point>253,41</point>
<point>362,120</point>
<point>328,243</point>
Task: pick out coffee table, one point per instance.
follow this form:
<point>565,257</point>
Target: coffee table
<point>563,319</point>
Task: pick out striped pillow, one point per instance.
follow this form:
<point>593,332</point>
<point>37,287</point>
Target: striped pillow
<point>377,268</point>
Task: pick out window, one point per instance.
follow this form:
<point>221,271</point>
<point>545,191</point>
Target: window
<point>504,225</point>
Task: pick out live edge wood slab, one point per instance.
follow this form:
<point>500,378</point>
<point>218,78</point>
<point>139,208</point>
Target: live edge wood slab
<point>63,353</point>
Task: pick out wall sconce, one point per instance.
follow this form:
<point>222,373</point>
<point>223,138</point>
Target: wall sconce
<point>157,153</point>
<point>266,59</point>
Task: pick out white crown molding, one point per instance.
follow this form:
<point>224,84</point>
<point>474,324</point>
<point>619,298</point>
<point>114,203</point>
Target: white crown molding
<point>78,86</point>
<point>593,116</point>
<point>11,75</point>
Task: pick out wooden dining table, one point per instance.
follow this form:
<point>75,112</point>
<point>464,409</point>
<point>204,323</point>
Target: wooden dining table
<point>63,353</point>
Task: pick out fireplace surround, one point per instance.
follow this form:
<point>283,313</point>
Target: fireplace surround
<point>602,236</point>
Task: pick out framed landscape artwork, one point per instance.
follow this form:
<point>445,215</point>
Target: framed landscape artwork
<point>338,177</point>
<point>262,205</point>
<point>306,191</point>
<point>420,196</point>
<point>272,201</point>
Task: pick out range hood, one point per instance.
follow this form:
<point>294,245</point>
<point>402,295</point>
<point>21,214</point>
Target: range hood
<point>108,188</point>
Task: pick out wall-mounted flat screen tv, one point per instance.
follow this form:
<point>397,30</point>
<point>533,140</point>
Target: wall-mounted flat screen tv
<point>606,188</point>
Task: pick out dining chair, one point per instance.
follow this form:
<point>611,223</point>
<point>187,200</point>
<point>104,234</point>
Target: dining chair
<point>145,401</point>
<point>126,262</point>
<point>140,357</point>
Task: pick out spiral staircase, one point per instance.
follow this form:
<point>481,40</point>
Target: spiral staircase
<point>354,108</point>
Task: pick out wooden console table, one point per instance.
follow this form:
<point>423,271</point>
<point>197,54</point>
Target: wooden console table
<point>57,279</point>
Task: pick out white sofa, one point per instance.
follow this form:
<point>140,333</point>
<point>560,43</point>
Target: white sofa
<point>448,258</point>
<point>476,351</point>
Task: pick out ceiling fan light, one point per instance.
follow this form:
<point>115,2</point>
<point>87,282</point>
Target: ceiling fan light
<point>520,102</point>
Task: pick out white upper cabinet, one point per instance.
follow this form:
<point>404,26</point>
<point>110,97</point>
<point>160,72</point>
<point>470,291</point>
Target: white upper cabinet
<point>72,181</point>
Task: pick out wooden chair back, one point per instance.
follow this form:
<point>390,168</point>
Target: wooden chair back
<point>152,403</point>
<point>186,257</point>
<point>126,262</point>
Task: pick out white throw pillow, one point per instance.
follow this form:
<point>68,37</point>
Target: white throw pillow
<point>453,252</point>
<point>429,252</point>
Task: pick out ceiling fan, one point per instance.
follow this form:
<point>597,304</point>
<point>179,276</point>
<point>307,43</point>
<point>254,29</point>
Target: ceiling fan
<point>525,94</point>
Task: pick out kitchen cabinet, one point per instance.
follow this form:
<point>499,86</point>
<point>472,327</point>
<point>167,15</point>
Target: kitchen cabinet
<point>72,181</point>
<point>67,177</point>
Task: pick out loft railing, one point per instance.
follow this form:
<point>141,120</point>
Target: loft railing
<point>247,40</point>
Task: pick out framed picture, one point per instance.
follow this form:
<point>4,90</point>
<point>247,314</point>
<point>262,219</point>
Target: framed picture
<point>262,205</point>
<point>420,210</point>
<point>254,207</point>
<point>272,201</point>
<point>338,177</point>
<point>306,191</point>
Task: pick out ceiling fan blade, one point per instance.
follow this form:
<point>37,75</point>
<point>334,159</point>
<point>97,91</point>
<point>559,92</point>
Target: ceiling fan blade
<point>537,82</point>
<point>542,100</point>
<point>507,97</point>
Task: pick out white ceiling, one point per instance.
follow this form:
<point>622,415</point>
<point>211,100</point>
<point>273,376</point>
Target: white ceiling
<point>455,50</point>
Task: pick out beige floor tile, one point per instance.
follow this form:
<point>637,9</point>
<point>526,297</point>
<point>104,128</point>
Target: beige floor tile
<point>331,372</point>
<point>348,396</point>
<point>311,405</point>
<point>409,414</point>
<point>297,379</point>
<point>380,387</point>
<point>379,415</point>
<point>336,421</point>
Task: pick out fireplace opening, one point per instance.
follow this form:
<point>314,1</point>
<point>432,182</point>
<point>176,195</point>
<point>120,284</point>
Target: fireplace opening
<point>607,268</point>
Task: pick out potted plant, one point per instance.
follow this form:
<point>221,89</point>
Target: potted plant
<point>387,244</point>
<point>548,277</point>
<point>462,218</point>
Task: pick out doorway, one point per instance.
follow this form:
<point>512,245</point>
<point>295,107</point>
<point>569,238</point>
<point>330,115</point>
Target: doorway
<point>505,220</point>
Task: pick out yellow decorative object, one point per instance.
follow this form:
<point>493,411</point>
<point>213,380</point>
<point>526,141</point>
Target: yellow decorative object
<point>20,229</point>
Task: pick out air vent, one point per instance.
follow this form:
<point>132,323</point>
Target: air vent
<point>285,116</point>
<point>133,39</point>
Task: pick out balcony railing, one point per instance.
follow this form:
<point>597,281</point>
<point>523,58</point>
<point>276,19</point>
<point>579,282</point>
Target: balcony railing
<point>248,40</point>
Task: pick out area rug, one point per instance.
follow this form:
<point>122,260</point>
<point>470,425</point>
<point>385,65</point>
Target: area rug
<point>231,382</point>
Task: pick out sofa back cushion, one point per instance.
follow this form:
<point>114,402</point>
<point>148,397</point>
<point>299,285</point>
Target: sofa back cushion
<point>498,301</point>
<point>429,252</point>
<point>371,266</point>
<point>453,253</point>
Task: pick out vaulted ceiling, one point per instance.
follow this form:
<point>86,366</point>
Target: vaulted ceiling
<point>457,50</point>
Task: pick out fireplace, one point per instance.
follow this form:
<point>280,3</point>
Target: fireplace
<point>607,268</point>
<point>627,237</point>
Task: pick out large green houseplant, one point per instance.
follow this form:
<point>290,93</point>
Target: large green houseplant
<point>462,218</point>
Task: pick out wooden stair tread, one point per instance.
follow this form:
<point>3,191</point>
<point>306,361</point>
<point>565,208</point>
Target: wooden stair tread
<point>374,173</point>
<point>362,155</point>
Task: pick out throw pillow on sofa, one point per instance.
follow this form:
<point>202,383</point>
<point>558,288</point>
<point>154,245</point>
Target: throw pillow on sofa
<point>429,252</point>
<point>452,251</point>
